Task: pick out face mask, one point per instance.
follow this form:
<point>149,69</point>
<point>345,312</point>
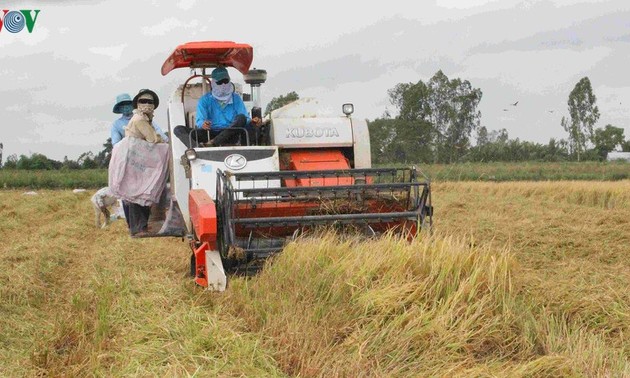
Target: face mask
<point>222,92</point>
<point>146,109</point>
<point>126,109</point>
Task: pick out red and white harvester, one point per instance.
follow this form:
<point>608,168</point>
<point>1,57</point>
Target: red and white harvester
<point>307,166</point>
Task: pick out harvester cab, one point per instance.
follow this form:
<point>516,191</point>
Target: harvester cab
<point>307,166</point>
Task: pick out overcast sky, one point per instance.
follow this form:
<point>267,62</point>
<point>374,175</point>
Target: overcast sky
<point>58,83</point>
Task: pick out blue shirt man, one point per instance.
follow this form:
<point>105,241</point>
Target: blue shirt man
<point>221,114</point>
<point>124,106</point>
<point>221,118</point>
<point>118,128</point>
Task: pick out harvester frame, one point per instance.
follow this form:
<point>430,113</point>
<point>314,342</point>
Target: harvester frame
<point>311,168</point>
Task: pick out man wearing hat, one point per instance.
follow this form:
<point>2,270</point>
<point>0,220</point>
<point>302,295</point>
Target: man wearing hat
<point>219,113</point>
<point>124,106</point>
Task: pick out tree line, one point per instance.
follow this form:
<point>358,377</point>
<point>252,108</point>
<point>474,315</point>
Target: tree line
<point>434,123</point>
<point>87,160</point>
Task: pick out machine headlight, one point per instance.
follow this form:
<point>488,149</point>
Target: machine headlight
<point>347,109</point>
<point>191,154</point>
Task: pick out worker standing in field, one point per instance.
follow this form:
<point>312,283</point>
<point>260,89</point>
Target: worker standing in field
<point>140,126</point>
<point>124,107</point>
<point>139,164</point>
<point>220,113</point>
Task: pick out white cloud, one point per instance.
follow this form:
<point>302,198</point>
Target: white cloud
<point>614,103</point>
<point>533,72</point>
<point>112,52</point>
<point>16,108</point>
<point>463,4</point>
<point>39,35</point>
<point>168,25</point>
<point>186,4</point>
<point>85,132</point>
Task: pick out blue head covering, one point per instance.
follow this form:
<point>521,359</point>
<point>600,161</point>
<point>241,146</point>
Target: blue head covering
<point>121,100</point>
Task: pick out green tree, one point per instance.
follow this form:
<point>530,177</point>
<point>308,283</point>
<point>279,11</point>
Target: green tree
<point>411,100</point>
<point>449,106</point>
<point>607,139</point>
<point>482,136</point>
<point>556,150</point>
<point>583,115</point>
<point>36,161</point>
<point>400,141</point>
<point>500,148</point>
<point>11,162</point>
<point>87,160</point>
<point>103,157</point>
<point>498,136</point>
<point>454,113</point>
<point>69,164</point>
<point>278,102</point>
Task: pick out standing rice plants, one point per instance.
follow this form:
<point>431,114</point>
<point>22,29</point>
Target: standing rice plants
<point>389,308</point>
<point>81,301</point>
<point>539,289</point>
<point>571,241</point>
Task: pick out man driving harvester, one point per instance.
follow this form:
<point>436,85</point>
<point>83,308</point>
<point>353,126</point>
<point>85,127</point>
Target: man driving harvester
<point>221,115</point>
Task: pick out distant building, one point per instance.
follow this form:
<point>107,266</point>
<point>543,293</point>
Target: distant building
<point>616,155</point>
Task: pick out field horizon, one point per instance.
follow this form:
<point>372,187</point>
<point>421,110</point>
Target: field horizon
<point>486,172</point>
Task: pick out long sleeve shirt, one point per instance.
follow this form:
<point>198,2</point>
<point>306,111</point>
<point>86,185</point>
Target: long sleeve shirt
<point>118,129</point>
<point>140,127</point>
<point>221,115</point>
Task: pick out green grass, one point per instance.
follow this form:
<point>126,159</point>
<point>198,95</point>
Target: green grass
<point>61,179</point>
<point>528,171</point>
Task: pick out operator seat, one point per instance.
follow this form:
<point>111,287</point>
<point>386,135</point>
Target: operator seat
<point>194,92</point>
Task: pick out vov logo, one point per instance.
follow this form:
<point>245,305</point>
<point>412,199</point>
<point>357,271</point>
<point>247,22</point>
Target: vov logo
<point>15,20</point>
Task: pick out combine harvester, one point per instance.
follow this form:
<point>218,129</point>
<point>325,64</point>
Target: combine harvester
<point>305,168</point>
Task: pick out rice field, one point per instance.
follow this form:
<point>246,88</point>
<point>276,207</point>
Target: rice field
<point>487,171</point>
<point>520,279</point>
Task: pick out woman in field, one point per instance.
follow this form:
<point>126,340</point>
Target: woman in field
<point>137,171</point>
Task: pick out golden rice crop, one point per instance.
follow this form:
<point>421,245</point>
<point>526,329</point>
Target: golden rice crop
<point>436,307</point>
<point>519,280</point>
